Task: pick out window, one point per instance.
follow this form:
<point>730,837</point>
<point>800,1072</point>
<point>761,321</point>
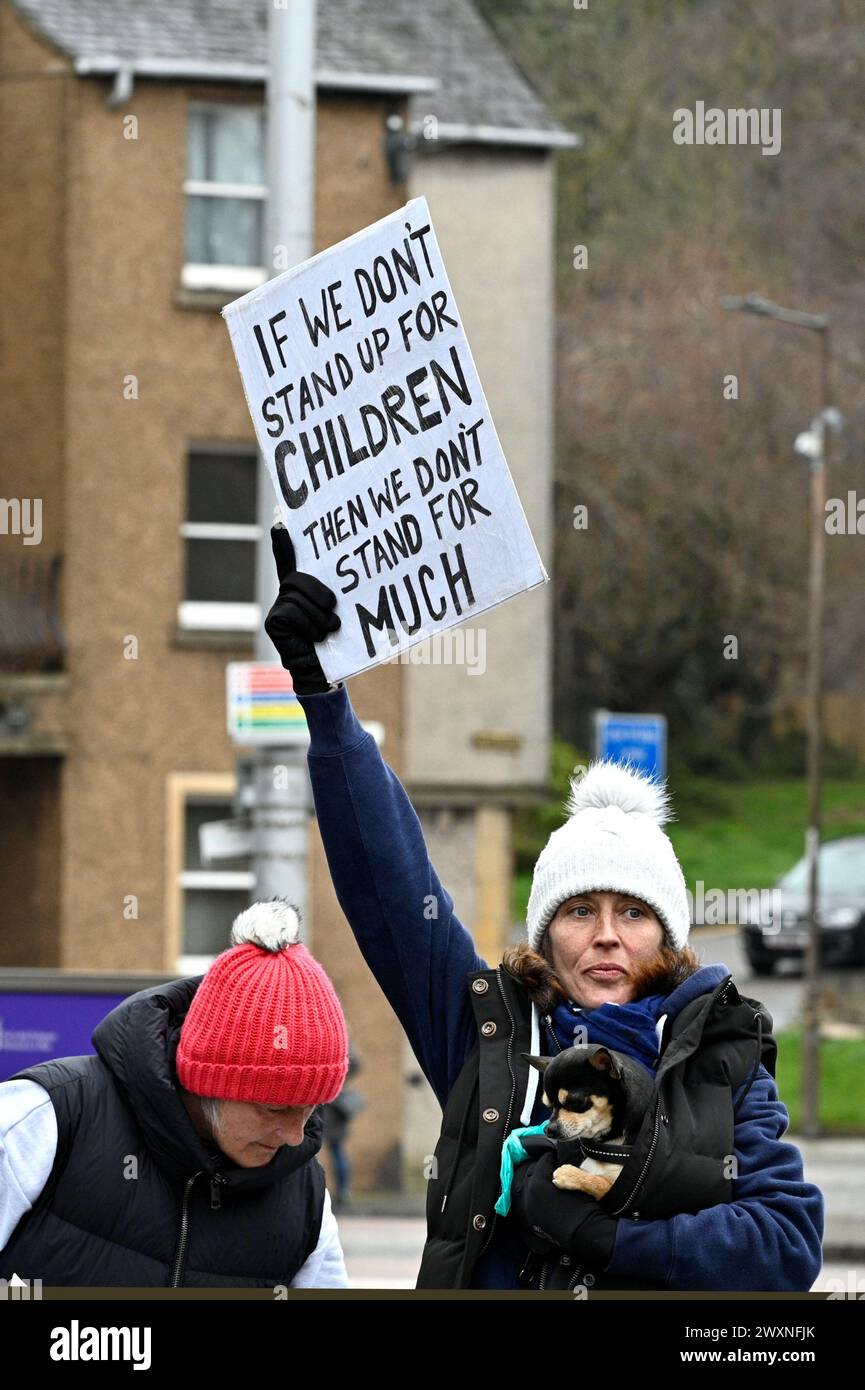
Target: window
<point>220,535</point>
<point>225,197</point>
<point>203,899</point>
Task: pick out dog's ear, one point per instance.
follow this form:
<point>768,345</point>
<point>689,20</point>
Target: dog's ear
<point>602,1060</point>
<point>540,1062</point>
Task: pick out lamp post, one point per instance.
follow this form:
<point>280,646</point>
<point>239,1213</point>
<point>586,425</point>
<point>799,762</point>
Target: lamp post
<point>815,447</point>
<point>281,803</point>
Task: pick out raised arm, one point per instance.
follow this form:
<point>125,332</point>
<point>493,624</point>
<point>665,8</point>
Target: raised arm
<point>401,916</point>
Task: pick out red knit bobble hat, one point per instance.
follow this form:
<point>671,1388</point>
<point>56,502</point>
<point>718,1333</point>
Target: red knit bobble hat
<point>265,1023</point>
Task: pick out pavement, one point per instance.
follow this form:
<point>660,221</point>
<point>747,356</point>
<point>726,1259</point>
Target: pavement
<point>837,1166</point>
<point>382,1252</point>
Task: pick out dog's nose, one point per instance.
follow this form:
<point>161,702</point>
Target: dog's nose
<point>551,1129</point>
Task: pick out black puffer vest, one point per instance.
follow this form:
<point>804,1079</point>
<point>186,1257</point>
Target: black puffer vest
<point>679,1161</point>
<point>135,1197</point>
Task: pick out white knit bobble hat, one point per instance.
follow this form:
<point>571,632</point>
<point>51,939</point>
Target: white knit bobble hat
<point>612,841</point>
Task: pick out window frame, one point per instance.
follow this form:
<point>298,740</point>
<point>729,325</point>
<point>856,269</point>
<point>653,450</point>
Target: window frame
<point>215,615</point>
<point>188,789</point>
<point>206,275</point>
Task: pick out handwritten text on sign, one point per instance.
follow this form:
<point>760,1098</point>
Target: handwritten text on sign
<point>371,417</point>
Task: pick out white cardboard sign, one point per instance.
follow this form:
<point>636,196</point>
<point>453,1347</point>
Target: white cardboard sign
<point>387,467</point>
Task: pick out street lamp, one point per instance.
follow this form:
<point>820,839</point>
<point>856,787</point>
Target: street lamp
<point>814,446</point>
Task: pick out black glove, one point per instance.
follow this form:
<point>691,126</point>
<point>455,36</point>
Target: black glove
<point>302,615</point>
<point>551,1219</point>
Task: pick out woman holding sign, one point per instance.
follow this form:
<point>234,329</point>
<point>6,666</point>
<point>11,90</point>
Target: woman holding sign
<point>708,1195</point>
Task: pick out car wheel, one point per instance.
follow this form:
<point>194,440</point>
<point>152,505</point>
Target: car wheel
<point>762,965</point>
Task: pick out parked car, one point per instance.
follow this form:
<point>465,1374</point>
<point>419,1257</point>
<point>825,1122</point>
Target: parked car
<point>783,930</point>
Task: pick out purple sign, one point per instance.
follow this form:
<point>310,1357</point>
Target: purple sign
<point>38,1027</point>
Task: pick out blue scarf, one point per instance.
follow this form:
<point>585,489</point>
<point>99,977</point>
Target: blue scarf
<point>631,1028</point>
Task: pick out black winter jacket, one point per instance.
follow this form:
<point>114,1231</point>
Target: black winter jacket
<point>135,1197</point>
<point>678,1163</point>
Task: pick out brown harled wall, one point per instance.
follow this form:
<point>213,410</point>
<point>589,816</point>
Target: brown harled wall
<point>36,91</point>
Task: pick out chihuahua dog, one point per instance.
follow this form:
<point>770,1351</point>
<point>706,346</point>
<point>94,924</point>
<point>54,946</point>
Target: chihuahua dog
<point>598,1098</point>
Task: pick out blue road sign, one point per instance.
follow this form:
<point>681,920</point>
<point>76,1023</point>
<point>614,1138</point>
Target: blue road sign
<point>640,739</point>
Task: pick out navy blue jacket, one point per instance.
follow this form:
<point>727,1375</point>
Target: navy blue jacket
<point>768,1238</point>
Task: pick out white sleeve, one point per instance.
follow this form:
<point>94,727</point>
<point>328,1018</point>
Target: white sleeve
<point>325,1268</point>
<point>28,1143</point>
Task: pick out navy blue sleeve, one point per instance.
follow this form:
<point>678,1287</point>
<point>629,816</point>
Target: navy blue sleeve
<point>767,1239</point>
<point>402,918</point>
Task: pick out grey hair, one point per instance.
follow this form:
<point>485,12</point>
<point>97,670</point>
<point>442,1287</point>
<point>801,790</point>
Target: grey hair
<point>211,1108</point>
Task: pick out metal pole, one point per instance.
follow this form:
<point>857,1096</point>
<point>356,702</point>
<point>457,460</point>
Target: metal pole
<point>811,1010</point>
<point>280,814</point>
<point>816,323</point>
<point>288,236</point>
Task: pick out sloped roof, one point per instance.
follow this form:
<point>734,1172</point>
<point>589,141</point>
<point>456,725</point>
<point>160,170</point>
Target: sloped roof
<point>471,85</point>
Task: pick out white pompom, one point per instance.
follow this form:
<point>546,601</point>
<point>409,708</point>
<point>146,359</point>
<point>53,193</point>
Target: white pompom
<point>271,925</point>
<point>607,783</point>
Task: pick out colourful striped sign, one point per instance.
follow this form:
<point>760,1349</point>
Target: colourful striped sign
<point>262,705</point>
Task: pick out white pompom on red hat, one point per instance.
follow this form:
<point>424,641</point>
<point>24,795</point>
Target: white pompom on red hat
<point>271,925</point>
<point>612,841</point>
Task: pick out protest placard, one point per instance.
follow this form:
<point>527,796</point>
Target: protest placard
<point>387,467</point>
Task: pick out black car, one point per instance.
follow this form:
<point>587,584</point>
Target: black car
<point>783,930</point>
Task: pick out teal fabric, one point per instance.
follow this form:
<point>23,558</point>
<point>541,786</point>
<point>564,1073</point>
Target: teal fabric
<point>512,1153</point>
